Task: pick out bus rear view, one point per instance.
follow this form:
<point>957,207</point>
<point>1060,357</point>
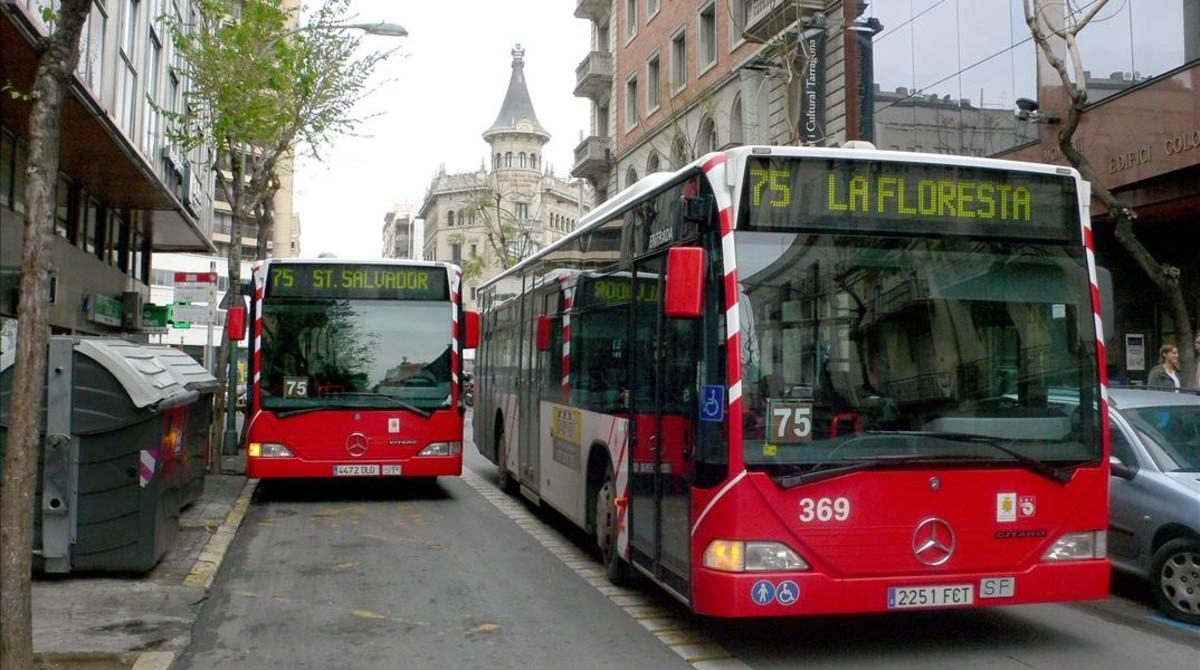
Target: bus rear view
<point>356,370</point>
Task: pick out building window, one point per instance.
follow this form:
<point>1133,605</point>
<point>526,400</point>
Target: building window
<point>602,120</point>
<point>737,22</point>
<point>652,163</point>
<point>474,250</point>
<point>20,161</point>
<point>153,65</point>
<point>652,7</point>
<point>679,61</point>
<point>508,159</point>
<point>91,218</point>
<point>533,161</point>
<point>522,211</point>
<point>62,208</point>
<point>653,84</point>
<point>631,19</point>
<point>6,168</point>
<point>735,122</point>
<point>631,108</point>
<point>496,163</point>
<point>630,177</point>
<point>456,254</point>
<point>521,159</point>
<point>91,48</point>
<point>706,57</point>
<point>706,141</point>
<point>450,218</point>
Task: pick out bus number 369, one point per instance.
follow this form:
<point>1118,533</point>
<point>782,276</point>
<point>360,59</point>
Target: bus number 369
<point>824,509</point>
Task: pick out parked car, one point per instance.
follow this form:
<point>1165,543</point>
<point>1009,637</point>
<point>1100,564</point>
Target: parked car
<point>1154,525</point>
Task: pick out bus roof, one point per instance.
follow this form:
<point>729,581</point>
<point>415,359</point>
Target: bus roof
<point>736,156</point>
<point>358,261</point>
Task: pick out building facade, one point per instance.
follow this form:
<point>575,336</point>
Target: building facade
<point>124,193</point>
<point>490,219</point>
<point>403,233</point>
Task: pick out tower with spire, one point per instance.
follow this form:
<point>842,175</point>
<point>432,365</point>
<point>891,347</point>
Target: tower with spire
<point>488,220</point>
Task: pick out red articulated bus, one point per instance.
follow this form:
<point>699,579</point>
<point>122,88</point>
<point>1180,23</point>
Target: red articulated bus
<point>790,381</point>
<point>356,369</point>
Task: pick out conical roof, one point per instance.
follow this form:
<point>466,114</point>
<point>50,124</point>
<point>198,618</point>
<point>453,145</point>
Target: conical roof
<point>517,106</point>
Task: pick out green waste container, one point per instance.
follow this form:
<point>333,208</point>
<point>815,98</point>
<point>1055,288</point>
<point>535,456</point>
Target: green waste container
<point>120,452</point>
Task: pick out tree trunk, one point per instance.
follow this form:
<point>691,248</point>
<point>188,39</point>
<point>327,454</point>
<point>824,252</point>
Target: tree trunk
<point>60,53</point>
<point>265,215</point>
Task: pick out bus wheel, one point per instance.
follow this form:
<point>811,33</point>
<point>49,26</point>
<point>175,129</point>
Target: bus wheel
<point>606,530</point>
<point>508,483</point>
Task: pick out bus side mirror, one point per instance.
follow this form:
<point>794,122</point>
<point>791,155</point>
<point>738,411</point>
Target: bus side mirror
<point>543,333</point>
<point>235,323</point>
<point>472,329</point>
<point>685,283</point>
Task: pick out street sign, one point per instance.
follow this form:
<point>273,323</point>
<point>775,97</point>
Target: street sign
<point>196,314</point>
<point>155,316</point>
<point>105,310</point>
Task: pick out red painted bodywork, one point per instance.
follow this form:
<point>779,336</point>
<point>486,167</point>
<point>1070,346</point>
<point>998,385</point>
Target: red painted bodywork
<point>318,441</point>
<point>854,562</point>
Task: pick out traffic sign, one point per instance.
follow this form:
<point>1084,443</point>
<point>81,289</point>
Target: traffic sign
<point>196,314</point>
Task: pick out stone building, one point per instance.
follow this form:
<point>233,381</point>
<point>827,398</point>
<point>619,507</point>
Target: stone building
<point>403,233</point>
<point>490,219</point>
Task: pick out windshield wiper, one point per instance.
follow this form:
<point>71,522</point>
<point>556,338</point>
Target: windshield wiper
<point>1060,475</point>
<point>395,404</point>
<point>819,471</point>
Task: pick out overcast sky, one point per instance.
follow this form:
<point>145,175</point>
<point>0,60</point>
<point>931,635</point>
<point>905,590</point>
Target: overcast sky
<point>435,99</point>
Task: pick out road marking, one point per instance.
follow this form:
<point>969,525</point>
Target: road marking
<point>675,633</point>
<point>204,570</point>
<point>154,660</point>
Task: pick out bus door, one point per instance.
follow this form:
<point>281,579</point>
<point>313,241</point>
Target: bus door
<point>529,385</point>
<point>662,409</point>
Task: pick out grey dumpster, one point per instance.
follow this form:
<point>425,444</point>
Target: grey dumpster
<point>117,458</point>
<point>193,459</point>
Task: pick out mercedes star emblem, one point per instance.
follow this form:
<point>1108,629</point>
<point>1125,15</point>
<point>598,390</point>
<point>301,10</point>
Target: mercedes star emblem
<point>356,444</point>
<point>933,541</point>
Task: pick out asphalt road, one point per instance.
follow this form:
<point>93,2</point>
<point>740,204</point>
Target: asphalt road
<point>371,574</point>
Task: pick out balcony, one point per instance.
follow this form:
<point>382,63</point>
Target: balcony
<point>766,18</point>
<point>594,76</point>
<point>593,10</point>
<point>593,158</point>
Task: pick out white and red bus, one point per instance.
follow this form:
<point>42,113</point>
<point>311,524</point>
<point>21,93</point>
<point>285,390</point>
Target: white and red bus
<point>356,368</point>
<point>787,381</point>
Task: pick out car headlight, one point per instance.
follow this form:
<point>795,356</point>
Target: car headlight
<point>1078,546</point>
<point>739,556</point>
<point>442,449</point>
<point>268,450</point>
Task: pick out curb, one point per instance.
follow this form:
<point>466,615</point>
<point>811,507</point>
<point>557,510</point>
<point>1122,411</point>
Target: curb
<point>204,570</point>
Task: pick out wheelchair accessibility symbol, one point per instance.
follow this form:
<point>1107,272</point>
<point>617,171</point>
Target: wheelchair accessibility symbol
<point>712,403</point>
<point>763,592</point>
<point>787,593</point>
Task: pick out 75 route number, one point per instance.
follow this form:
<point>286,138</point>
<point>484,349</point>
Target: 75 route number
<point>824,509</point>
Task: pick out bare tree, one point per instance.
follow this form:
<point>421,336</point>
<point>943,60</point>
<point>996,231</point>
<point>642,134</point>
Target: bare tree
<point>58,56</point>
<point>1047,25</point>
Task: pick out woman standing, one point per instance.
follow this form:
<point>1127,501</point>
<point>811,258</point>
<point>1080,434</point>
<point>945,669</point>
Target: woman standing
<point>1166,373</point>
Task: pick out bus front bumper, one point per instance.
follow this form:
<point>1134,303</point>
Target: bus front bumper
<point>297,468</point>
<point>723,594</point>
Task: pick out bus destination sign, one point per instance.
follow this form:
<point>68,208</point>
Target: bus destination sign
<point>357,281</point>
<point>883,196</point>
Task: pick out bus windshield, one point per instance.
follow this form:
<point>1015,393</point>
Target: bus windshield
<point>355,353</point>
<point>858,347</point>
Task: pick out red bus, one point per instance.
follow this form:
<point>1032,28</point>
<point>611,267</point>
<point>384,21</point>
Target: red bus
<point>356,368</point>
<point>789,381</point>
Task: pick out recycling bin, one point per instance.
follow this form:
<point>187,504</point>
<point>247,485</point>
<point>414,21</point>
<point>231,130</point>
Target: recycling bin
<point>119,452</point>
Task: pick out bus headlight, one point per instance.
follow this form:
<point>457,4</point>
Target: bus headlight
<point>268,450</point>
<point>1079,546</point>
<point>738,556</point>
<point>442,449</point>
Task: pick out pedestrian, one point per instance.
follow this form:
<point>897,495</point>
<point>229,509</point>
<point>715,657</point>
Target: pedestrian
<point>1196,359</point>
<point>1166,373</point>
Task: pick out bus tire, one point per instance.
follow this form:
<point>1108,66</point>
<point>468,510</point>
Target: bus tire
<point>508,483</point>
<point>606,530</point>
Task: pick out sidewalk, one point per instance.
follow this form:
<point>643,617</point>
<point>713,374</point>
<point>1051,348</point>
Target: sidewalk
<point>102,622</point>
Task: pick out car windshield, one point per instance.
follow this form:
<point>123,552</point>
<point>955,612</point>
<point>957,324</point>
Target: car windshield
<point>1171,434</point>
<point>860,347</point>
<point>355,353</point>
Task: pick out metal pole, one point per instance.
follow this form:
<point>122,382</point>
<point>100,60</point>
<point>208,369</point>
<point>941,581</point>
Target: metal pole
<point>209,364</point>
<point>229,443</point>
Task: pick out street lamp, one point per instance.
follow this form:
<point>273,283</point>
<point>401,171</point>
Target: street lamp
<point>381,28</point>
